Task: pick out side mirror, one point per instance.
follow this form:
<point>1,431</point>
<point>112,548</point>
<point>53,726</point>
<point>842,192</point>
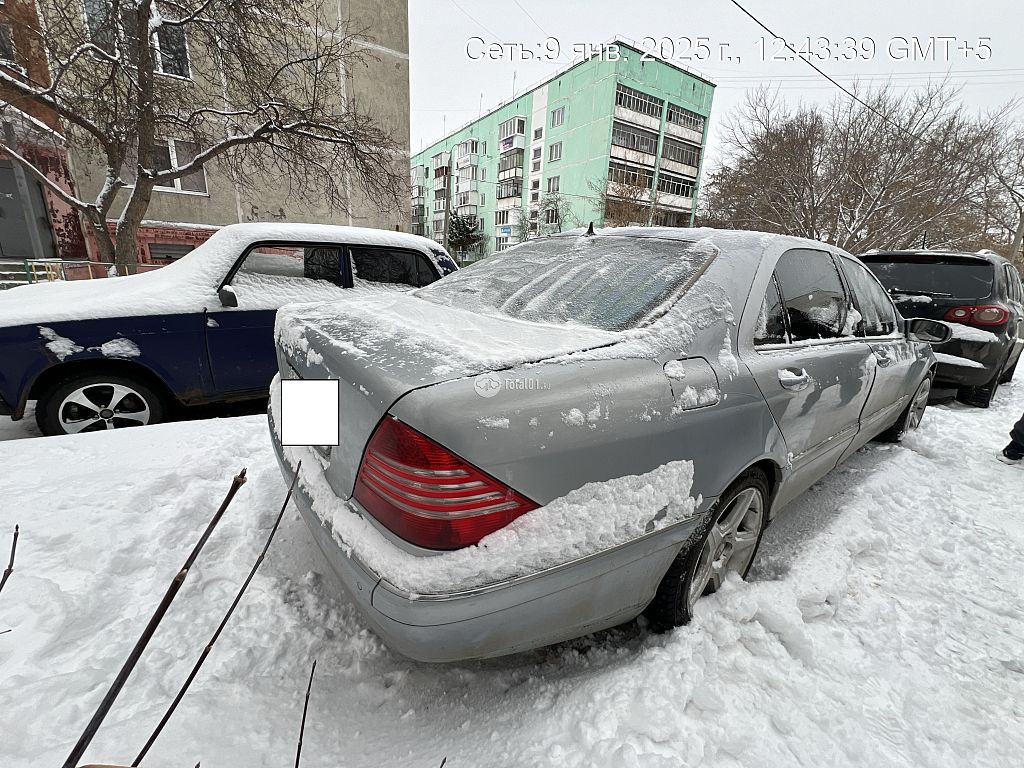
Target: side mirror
<point>227,296</point>
<point>931,331</point>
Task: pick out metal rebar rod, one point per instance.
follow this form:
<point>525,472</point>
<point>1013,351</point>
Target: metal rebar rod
<point>148,632</point>
<point>10,566</point>
<point>220,627</point>
<point>305,707</point>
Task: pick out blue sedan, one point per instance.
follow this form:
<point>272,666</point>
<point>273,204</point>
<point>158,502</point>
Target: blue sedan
<point>120,352</point>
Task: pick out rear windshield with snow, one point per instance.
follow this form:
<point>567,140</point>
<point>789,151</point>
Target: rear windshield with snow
<point>607,282</point>
<point>932,275</point>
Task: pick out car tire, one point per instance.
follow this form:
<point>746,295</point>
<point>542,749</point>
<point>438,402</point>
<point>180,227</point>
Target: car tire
<point>708,559</point>
<point>97,402</point>
<point>981,396</point>
<point>912,415</point>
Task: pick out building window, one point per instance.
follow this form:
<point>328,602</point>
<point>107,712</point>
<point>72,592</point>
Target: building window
<point>551,216</point>
<point>515,125</point>
<point>631,137</point>
<point>483,174</point>
<point>685,118</point>
<point>687,154</point>
<point>510,188</point>
<point>538,134</point>
<point>173,51</point>
<point>553,184</point>
<point>636,101</point>
<point>535,197</point>
<point>537,152</point>
<point>168,40</point>
<point>557,117</point>
<point>501,217</point>
<point>632,175</point>
<point>8,54</point>
<point>168,154</point>
<point>501,243</point>
<point>511,160</point>
<point>535,184</point>
<point>555,152</point>
<point>535,166</point>
<point>673,184</point>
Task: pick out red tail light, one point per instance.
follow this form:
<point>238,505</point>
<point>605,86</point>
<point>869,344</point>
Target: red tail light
<point>985,314</point>
<point>429,496</point>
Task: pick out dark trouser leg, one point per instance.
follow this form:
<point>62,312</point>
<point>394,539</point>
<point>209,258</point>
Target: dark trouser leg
<point>1017,436</point>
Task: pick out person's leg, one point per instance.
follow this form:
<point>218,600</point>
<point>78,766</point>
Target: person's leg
<point>1015,450</point>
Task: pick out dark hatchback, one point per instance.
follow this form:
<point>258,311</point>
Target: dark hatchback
<point>980,294</point>
<point>129,351</point>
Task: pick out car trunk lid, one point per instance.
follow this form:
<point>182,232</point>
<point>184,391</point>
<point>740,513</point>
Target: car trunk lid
<point>381,347</point>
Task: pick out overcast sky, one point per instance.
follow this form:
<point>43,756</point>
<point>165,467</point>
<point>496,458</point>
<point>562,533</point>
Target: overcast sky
<point>448,88</point>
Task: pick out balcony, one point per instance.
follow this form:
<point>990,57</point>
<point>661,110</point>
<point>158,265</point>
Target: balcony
<point>466,185</point>
<point>440,182</point>
<point>516,172</point>
<point>467,210</point>
<point>683,132</point>
<point>467,198</point>
<point>467,160</point>
<point>441,160</point>
<point>512,143</point>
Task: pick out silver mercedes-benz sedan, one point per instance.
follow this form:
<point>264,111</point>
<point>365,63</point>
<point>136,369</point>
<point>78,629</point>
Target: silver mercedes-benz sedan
<point>587,426</point>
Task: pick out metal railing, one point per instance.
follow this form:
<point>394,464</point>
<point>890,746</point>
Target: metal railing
<point>25,271</point>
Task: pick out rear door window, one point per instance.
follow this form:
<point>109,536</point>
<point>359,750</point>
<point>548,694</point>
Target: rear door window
<point>813,294</point>
<point>938,276</point>
<point>391,265</point>
<point>878,316</point>
<point>1013,286</point>
<point>771,322</point>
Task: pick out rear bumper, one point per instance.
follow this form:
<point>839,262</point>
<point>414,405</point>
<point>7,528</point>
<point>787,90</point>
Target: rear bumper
<point>990,354</point>
<point>530,611</point>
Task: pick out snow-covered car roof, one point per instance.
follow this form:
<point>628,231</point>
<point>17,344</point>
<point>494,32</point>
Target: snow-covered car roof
<point>190,283</point>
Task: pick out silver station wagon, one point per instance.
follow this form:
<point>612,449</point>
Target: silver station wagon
<point>473,408</point>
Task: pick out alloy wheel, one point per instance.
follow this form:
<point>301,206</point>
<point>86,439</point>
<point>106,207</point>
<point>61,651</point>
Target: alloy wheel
<point>100,406</point>
<point>918,405</point>
<point>730,544</point>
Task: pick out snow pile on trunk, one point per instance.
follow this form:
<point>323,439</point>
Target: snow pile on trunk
<point>583,522</point>
<point>881,627</point>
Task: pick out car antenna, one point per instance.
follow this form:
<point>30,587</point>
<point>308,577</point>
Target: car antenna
<point>590,230</point>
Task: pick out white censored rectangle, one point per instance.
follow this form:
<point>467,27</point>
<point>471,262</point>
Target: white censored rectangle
<point>309,411</point>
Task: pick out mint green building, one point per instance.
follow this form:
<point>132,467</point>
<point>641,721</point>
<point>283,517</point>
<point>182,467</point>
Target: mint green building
<point>609,141</point>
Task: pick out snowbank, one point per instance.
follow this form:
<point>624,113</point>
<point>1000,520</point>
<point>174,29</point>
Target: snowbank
<point>882,626</point>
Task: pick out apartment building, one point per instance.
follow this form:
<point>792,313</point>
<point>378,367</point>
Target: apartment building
<point>602,131</point>
<point>34,223</point>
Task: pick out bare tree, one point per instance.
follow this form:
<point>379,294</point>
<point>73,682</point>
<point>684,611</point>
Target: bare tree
<point>256,86</point>
<point>625,202</point>
<point>557,213</point>
<point>859,177</point>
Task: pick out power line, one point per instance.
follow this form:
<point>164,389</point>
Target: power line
<point>530,17</point>
<point>916,138</point>
<point>474,20</point>
<point>824,74</point>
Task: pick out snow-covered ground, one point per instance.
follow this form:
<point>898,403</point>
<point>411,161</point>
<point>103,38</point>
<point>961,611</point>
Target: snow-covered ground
<point>884,625</point>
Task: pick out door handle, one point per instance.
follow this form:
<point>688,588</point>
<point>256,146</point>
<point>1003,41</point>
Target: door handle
<point>791,378</point>
<point>884,361</point>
